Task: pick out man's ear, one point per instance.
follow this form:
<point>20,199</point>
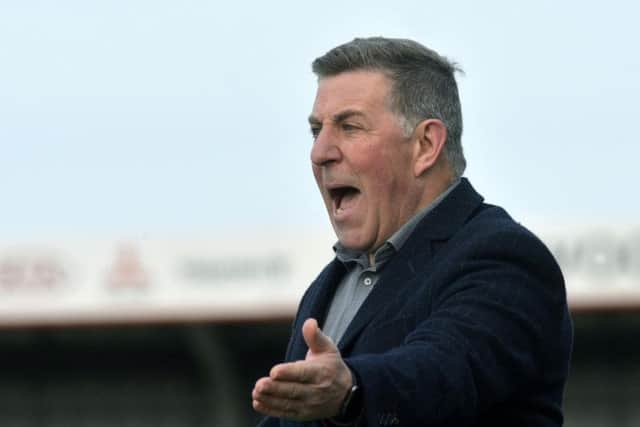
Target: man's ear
<point>431,135</point>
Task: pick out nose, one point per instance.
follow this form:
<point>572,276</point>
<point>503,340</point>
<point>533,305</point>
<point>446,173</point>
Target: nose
<point>325,149</point>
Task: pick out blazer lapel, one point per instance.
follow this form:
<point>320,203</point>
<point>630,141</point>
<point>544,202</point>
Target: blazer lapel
<point>326,286</point>
<point>439,224</point>
<point>321,293</point>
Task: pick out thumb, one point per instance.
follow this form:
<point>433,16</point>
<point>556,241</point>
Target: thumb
<point>317,341</point>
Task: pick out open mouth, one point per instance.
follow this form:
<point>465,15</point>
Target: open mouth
<point>343,197</point>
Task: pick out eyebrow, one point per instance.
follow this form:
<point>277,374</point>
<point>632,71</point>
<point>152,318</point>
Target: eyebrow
<point>337,118</point>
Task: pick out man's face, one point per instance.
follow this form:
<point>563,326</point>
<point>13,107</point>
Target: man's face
<point>361,159</point>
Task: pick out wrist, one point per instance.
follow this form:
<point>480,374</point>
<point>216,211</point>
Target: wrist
<point>351,406</point>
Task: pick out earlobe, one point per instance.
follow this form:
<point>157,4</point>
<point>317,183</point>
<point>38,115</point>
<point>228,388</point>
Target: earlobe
<point>431,136</point>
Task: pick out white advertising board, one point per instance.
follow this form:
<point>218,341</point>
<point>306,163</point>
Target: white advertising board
<point>233,277</point>
<point>247,276</point>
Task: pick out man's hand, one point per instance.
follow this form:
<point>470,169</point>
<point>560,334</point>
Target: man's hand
<point>309,389</point>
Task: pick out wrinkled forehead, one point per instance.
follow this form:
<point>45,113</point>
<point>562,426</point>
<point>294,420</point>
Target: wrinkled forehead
<point>352,90</point>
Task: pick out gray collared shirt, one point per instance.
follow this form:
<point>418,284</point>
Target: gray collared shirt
<point>361,276</point>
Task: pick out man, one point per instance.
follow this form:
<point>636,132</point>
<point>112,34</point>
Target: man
<point>445,311</point>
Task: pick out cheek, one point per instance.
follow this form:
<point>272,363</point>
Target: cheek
<point>372,165</point>
<point>316,174</point>
<point>387,183</point>
<point>381,177</point>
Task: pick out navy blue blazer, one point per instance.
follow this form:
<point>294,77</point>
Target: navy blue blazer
<point>467,325</point>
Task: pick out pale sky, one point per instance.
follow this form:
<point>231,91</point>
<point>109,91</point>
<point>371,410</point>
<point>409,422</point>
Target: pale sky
<point>127,117</point>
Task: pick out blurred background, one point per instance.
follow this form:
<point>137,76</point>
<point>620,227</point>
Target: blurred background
<point>159,221</point>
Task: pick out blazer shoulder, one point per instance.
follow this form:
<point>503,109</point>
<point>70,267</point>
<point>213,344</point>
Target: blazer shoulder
<point>492,233</point>
<point>494,221</point>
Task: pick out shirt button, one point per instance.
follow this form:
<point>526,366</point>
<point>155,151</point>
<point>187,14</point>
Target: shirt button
<point>367,281</point>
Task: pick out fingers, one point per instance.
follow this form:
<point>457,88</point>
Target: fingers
<point>280,389</point>
<point>316,340</point>
<point>275,407</point>
<point>280,399</point>
<point>296,372</point>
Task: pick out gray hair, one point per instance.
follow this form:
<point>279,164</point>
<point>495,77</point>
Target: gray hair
<point>423,85</point>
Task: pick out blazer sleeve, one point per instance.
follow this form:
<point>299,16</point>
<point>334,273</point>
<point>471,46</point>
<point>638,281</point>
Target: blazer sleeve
<point>497,327</point>
<point>269,422</point>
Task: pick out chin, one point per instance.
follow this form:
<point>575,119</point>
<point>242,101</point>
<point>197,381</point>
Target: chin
<point>355,243</point>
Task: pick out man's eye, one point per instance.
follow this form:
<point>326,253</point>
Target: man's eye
<point>315,131</point>
<point>349,127</point>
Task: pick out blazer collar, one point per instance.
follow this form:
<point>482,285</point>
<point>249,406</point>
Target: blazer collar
<point>450,214</point>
